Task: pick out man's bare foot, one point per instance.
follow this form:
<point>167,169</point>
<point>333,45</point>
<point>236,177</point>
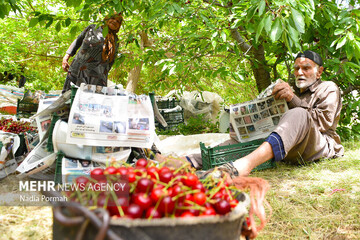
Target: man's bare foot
<point>169,161</point>
<point>242,166</point>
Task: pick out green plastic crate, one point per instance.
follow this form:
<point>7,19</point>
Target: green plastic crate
<point>166,104</point>
<point>216,156</point>
<point>73,93</point>
<point>173,119</point>
<point>50,144</point>
<point>25,109</point>
<point>58,172</point>
<point>22,148</point>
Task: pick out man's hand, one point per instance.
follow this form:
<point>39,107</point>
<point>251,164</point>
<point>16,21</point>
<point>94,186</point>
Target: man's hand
<point>283,90</point>
<point>65,62</point>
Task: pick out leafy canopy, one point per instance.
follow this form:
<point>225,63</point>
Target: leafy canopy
<point>234,48</point>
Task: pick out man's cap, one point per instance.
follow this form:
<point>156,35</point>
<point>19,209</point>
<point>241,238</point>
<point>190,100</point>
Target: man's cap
<point>315,57</point>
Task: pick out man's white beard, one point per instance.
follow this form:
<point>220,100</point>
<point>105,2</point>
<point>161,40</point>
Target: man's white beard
<point>308,82</point>
<point>303,84</point>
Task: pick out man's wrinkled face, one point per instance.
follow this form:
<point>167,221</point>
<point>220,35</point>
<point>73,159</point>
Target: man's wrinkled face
<point>306,72</point>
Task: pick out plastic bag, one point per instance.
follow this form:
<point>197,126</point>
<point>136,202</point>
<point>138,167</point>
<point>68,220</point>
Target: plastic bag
<point>10,142</point>
<point>195,103</point>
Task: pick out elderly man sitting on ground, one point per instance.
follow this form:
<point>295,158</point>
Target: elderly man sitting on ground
<point>307,131</point>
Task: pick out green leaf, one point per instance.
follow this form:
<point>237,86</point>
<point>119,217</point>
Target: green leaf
<point>137,42</point>
<point>77,3</point>
<point>267,23</point>
<point>170,10</point>
<point>287,42</point>
<point>177,7</point>
<point>69,3</point>
<point>328,25</point>
<point>250,13</point>
<point>51,20</point>
<point>3,11</point>
<point>74,30</point>
<point>213,43</point>
<point>58,26</point>
<point>350,74</point>
<point>341,42</point>
<point>356,46</point>
<point>223,36</point>
<point>236,23</point>
<point>214,35</point>
<point>67,22</point>
<point>259,29</point>
<point>346,20</point>
<point>338,31</point>
<point>204,18</point>
<point>164,67</point>
<point>298,19</point>
<point>334,42</point>
<point>33,22</point>
<point>294,35</point>
<point>237,52</point>
<point>276,30</point>
<point>261,7</point>
<point>350,36</point>
<point>251,28</point>
<point>356,12</point>
<point>353,65</point>
<point>172,70</point>
<point>105,31</point>
<point>349,51</point>
<point>42,17</point>
<point>312,4</point>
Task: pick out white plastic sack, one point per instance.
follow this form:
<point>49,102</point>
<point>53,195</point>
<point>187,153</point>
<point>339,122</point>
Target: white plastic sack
<point>11,143</point>
<point>184,145</point>
<point>38,157</point>
<point>195,103</point>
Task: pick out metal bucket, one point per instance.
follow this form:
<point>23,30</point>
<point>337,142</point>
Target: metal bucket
<point>73,221</point>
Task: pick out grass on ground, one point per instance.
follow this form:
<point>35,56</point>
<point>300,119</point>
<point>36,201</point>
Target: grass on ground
<point>317,201</point>
<point>304,200</point>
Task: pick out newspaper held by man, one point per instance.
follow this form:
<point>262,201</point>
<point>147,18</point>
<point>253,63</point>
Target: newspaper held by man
<point>105,116</point>
<point>257,118</point>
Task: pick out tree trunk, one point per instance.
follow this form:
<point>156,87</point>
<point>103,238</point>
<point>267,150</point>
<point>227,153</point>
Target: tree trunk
<point>133,78</point>
<point>262,76</point>
<point>134,74</point>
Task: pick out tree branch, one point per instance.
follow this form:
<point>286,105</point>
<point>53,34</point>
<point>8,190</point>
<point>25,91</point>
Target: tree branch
<point>240,40</point>
<point>350,89</point>
<point>31,6</point>
<point>46,56</point>
<point>216,3</point>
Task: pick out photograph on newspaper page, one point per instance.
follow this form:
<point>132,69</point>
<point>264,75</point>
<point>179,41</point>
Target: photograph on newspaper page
<point>72,168</point>
<point>256,119</point>
<point>105,116</point>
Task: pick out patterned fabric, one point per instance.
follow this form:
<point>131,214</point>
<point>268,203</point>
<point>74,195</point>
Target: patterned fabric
<point>88,65</point>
